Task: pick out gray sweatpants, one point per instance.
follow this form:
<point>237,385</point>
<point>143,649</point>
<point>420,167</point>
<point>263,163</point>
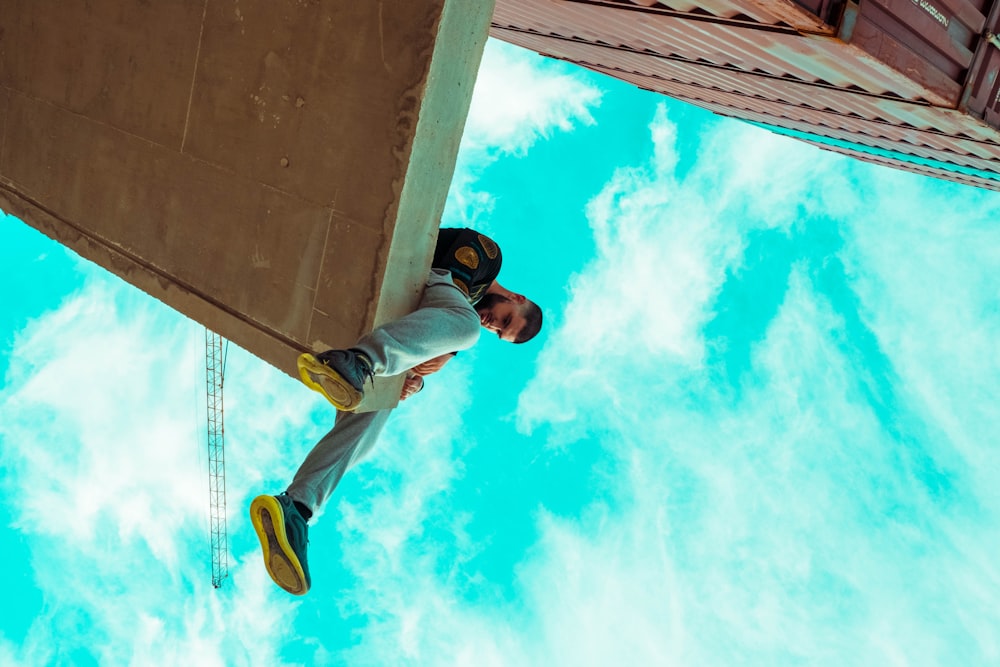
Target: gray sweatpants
<point>443,322</point>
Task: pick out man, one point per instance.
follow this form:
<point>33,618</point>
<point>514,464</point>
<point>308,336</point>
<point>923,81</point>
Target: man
<point>461,297</point>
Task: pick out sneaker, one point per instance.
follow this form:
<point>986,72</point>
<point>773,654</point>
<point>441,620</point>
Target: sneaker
<point>283,537</point>
<point>337,374</point>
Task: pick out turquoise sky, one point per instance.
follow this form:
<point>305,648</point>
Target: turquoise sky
<point>760,428</point>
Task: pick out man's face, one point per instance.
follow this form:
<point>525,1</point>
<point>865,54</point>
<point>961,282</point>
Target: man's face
<point>501,316</point>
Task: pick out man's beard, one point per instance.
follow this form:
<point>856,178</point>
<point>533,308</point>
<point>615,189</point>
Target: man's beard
<point>488,301</point>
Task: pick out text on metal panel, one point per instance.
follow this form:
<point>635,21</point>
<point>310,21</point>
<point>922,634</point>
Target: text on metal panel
<point>933,11</point>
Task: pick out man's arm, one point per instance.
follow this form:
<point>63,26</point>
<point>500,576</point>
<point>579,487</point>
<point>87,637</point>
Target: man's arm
<point>414,381</point>
<point>433,365</point>
<point>411,385</point>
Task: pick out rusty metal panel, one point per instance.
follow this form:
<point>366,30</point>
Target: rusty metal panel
<point>978,155</point>
<point>982,91</point>
<point>651,72</point>
<point>764,12</point>
<point>826,11</point>
<point>911,78</point>
<point>965,179</point>
<point>928,28</point>
<point>773,50</point>
<point>987,86</point>
<point>616,57</point>
<point>723,9</point>
<point>922,152</point>
<point>879,120</point>
<point>928,40</point>
<point>916,151</point>
<point>843,124</point>
<point>844,102</point>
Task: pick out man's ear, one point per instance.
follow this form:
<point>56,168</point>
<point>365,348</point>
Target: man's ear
<point>518,298</point>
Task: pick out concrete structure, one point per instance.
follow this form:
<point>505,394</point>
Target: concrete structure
<point>913,84</point>
<point>274,169</point>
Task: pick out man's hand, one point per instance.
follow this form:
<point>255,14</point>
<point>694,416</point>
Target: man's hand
<point>414,381</point>
<point>432,365</point>
<point>411,385</point>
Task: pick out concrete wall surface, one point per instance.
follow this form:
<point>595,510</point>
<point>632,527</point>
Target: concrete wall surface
<point>274,169</point>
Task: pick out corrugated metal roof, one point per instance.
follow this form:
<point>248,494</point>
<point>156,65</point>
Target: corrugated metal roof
<point>643,70</point>
<point>777,51</point>
<point>764,12</point>
<point>909,80</point>
<point>874,126</point>
<point>959,160</point>
<point>974,181</point>
<point>885,152</point>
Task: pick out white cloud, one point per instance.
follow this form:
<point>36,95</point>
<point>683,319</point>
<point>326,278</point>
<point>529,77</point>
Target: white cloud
<point>97,457</point>
<point>836,504</point>
<point>519,99</point>
<point>36,650</point>
<point>103,432</point>
<point>820,490</point>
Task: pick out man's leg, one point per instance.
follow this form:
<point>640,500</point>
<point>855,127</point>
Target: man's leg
<point>350,440</point>
<point>281,521</point>
<point>443,322</point>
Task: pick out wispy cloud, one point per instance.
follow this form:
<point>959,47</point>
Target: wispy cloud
<point>519,99</point>
<point>103,412</point>
<point>787,362</point>
<point>811,480</point>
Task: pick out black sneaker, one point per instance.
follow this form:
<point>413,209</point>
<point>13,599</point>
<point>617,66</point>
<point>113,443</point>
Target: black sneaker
<point>337,374</point>
<point>283,537</point>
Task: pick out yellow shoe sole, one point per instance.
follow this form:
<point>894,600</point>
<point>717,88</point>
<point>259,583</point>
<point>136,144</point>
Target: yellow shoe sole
<point>322,379</point>
<point>279,559</point>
